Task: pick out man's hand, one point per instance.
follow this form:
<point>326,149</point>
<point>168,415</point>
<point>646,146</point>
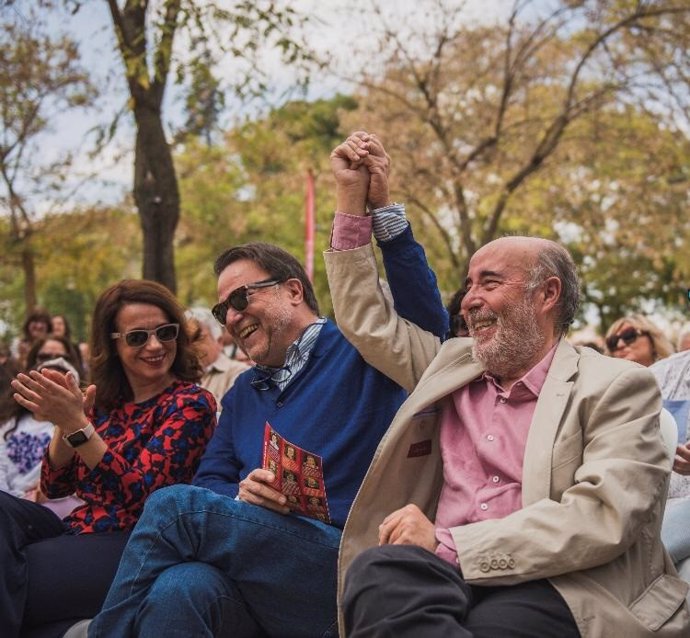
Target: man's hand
<point>351,176</point>
<point>408,526</point>
<point>256,489</point>
<point>378,163</point>
<point>681,463</point>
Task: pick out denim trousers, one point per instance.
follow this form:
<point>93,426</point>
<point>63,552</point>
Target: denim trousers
<point>675,528</point>
<point>202,564</point>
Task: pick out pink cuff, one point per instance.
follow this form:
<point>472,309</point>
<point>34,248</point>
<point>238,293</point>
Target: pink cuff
<point>446,547</point>
<point>350,231</point>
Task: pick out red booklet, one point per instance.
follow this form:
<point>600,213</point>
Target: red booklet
<point>299,475</point>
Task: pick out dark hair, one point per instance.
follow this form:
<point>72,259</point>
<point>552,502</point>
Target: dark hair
<point>68,329</point>
<point>9,408</point>
<point>555,261</point>
<point>456,322</point>
<point>73,355</point>
<point>106,369</point>
<point>278,263</point>
<point>39,315</point>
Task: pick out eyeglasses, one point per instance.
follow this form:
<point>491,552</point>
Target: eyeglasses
<point>238,299</point>
<point>42,357</point>
<point>629,336</point>
<point>140,337</point>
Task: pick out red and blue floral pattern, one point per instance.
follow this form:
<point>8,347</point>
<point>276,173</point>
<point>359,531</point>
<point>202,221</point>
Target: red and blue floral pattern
<point>152,444</point>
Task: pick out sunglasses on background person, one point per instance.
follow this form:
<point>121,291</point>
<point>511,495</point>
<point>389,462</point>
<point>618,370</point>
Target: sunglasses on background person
<point>238,299</point>
<point>140,337</point>
<point>42,357</point>
<point>629,336</point>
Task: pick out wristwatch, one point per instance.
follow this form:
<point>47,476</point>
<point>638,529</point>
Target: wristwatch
<point>75,439</point>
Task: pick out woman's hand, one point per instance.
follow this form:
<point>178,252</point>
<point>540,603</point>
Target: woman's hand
<point>55,397</point>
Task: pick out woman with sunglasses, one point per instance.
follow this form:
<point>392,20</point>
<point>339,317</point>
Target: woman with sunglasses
<point>637,339</point>
<point>143,424</point>
<point>52,347</point>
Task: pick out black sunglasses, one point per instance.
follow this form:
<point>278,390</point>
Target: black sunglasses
<point>238,299</point>
<point>140,337</point>
<point>42,357</point>
<point>629,336</point>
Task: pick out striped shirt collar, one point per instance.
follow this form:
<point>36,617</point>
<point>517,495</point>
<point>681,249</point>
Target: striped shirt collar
<point>295,359</point>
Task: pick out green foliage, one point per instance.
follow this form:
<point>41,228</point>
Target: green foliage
<point>253,189</point>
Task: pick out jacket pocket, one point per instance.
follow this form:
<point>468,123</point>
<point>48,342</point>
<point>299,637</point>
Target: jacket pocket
<point>659,601</point>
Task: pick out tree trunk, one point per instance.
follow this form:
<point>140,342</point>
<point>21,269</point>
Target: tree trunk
<point>156,196</point>
<point>29,268</point>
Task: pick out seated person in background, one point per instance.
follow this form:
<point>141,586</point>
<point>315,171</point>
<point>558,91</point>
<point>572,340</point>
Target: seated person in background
<point>220,371</point>
<point>51,347</point>
<point>59,327</point>
<point>143,425</point>
<point>673,377</point>
<point>457,324</point>
<point>637,339</point>
<point>238,540</point>
<point>36,326</point>
<point>520,487</point>
<point>23,440</point>
<point>683,340</point>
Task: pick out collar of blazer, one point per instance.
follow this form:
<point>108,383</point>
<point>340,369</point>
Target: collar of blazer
<point>454,367</point>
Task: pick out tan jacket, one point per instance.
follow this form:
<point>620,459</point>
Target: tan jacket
<point>595,471</point>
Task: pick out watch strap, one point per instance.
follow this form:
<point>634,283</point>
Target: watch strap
<point>79,437</point>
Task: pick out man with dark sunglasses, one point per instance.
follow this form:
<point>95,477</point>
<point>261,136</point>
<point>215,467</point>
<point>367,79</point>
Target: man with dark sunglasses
<point>251,549</point>
<point>520,488</point>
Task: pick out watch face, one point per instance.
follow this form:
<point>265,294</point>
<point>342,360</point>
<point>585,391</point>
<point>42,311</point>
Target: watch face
<point>77,438</point>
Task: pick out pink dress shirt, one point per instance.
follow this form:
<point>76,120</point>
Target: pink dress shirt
<point>483,435</point>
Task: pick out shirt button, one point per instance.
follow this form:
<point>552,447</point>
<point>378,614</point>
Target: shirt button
<point>495,479</point>
<point>484,507</point>
<point>489,437</point>
<point>502,399</point>
<point>279,404</point>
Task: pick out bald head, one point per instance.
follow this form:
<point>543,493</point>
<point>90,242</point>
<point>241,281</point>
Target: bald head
<point>538,259</point>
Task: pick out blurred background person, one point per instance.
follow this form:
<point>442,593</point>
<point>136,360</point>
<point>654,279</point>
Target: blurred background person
<point>231,350</point>
<point>52,347</point>
<point>636,338</point>
<point>24,438</point>
<point>456,322</point>
<point>36,326</point>
<point>220,371</point>
<point>143,425</point>
<point>683,343</point>
<point>673,376</point>
<point>60,327</point>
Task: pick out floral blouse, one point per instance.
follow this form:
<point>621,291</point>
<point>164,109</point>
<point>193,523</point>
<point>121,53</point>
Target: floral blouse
<point>151,444</point>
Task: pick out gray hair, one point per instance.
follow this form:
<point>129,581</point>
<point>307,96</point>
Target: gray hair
<point>204,317</point>
<point>556,261</point>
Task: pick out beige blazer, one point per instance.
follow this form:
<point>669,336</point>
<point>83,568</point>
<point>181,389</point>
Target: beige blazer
<point>595,472</point>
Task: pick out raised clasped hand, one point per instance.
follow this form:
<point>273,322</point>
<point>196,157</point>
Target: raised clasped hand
<point>256,489</point>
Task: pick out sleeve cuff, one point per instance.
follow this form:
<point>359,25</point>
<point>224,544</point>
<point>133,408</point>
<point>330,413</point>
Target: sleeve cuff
<point>389,222</point>
<point>446,547</point>
<point>350,231</point>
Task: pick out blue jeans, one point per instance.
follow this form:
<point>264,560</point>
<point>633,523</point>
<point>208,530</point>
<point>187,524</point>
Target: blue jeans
<point>202,564</point>
<point>675,528</point>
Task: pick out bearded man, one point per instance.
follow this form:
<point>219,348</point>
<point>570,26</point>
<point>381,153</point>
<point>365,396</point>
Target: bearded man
<point>520,488</point>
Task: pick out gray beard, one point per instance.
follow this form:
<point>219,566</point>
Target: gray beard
<point>512,349</point>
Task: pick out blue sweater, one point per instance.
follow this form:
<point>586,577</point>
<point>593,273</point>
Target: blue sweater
<point>413,284</point>
<point>337,406</point>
